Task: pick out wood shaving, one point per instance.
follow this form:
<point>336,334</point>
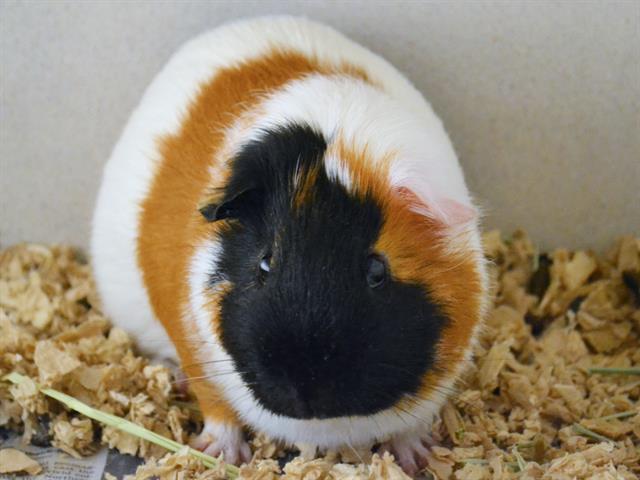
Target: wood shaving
<point>15,461</point>
<point>527,408</point>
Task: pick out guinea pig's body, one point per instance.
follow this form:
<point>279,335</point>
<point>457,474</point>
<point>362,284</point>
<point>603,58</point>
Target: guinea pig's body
<point>289,208</point>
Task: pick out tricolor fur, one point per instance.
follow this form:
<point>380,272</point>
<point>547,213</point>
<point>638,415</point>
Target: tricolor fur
<point>320,130</point>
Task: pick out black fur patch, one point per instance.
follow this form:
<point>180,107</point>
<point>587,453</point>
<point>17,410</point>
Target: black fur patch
<point>311,338</point>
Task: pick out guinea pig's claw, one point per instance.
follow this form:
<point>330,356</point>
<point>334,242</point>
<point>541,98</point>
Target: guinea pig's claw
<point>410,450</point>
<point>223,439</point>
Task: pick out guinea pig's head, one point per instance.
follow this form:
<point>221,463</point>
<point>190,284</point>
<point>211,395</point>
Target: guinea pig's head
<point>344,296</point>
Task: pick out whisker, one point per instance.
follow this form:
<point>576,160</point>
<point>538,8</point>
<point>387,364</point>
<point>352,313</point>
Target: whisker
<point>220,398</point>
<point>190,341</point>
<point>382,434</point>
<point>401,418</point>
<point>444,389</point>
<point>209,362</point>
<point>446,393</point>
<point>208,377</point>
<point>351,446</point>
<point>427,423</point>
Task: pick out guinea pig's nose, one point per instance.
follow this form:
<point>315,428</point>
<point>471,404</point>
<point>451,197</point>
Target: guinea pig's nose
<point>315,399</point>
<point>303,379</point>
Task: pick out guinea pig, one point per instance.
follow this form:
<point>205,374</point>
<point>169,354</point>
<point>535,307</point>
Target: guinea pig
<point>285,216</point>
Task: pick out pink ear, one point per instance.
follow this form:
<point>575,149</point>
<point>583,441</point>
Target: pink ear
<point>456,212</point>
<point>447,211</point>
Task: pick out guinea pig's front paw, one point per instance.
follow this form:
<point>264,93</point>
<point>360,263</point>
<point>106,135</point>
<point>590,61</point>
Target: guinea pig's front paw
<point>223,438</point>
<point>410,450</point>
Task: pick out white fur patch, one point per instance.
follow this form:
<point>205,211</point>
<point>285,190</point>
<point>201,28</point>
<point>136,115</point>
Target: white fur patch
<point>338,171</point>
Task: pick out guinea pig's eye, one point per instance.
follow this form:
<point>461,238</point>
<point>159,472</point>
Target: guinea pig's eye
<point>265,264</point>
<point>376,270</point>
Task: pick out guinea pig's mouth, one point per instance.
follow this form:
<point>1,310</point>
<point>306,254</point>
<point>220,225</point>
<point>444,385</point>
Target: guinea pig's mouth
<point>324,403</point>
<point>332,393</point>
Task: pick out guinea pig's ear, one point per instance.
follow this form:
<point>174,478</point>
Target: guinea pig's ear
<point>447,212</point>
<point>233,205</point>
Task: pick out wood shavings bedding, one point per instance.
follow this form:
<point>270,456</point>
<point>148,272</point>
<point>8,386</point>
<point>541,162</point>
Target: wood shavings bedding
<point>15,461</point>
<point>530,407</point>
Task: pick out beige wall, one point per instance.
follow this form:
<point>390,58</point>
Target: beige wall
<point>542,100</point>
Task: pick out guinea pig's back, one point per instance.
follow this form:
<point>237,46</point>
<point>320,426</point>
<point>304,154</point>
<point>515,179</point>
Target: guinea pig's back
<point>145,224</point>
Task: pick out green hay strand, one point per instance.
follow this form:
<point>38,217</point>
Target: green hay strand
<point>124,425</point>
<point>614,371</point>
<point>628,413</point>
<point>582,430</point>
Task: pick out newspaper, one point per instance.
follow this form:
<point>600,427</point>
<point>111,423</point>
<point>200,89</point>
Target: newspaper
<point>57,465</point>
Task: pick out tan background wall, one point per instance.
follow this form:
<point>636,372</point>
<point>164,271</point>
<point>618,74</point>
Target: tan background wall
<point>542,100</point>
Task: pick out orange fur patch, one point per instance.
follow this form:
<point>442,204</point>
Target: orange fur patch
<point>304,189</point>
<point>171,226</point>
